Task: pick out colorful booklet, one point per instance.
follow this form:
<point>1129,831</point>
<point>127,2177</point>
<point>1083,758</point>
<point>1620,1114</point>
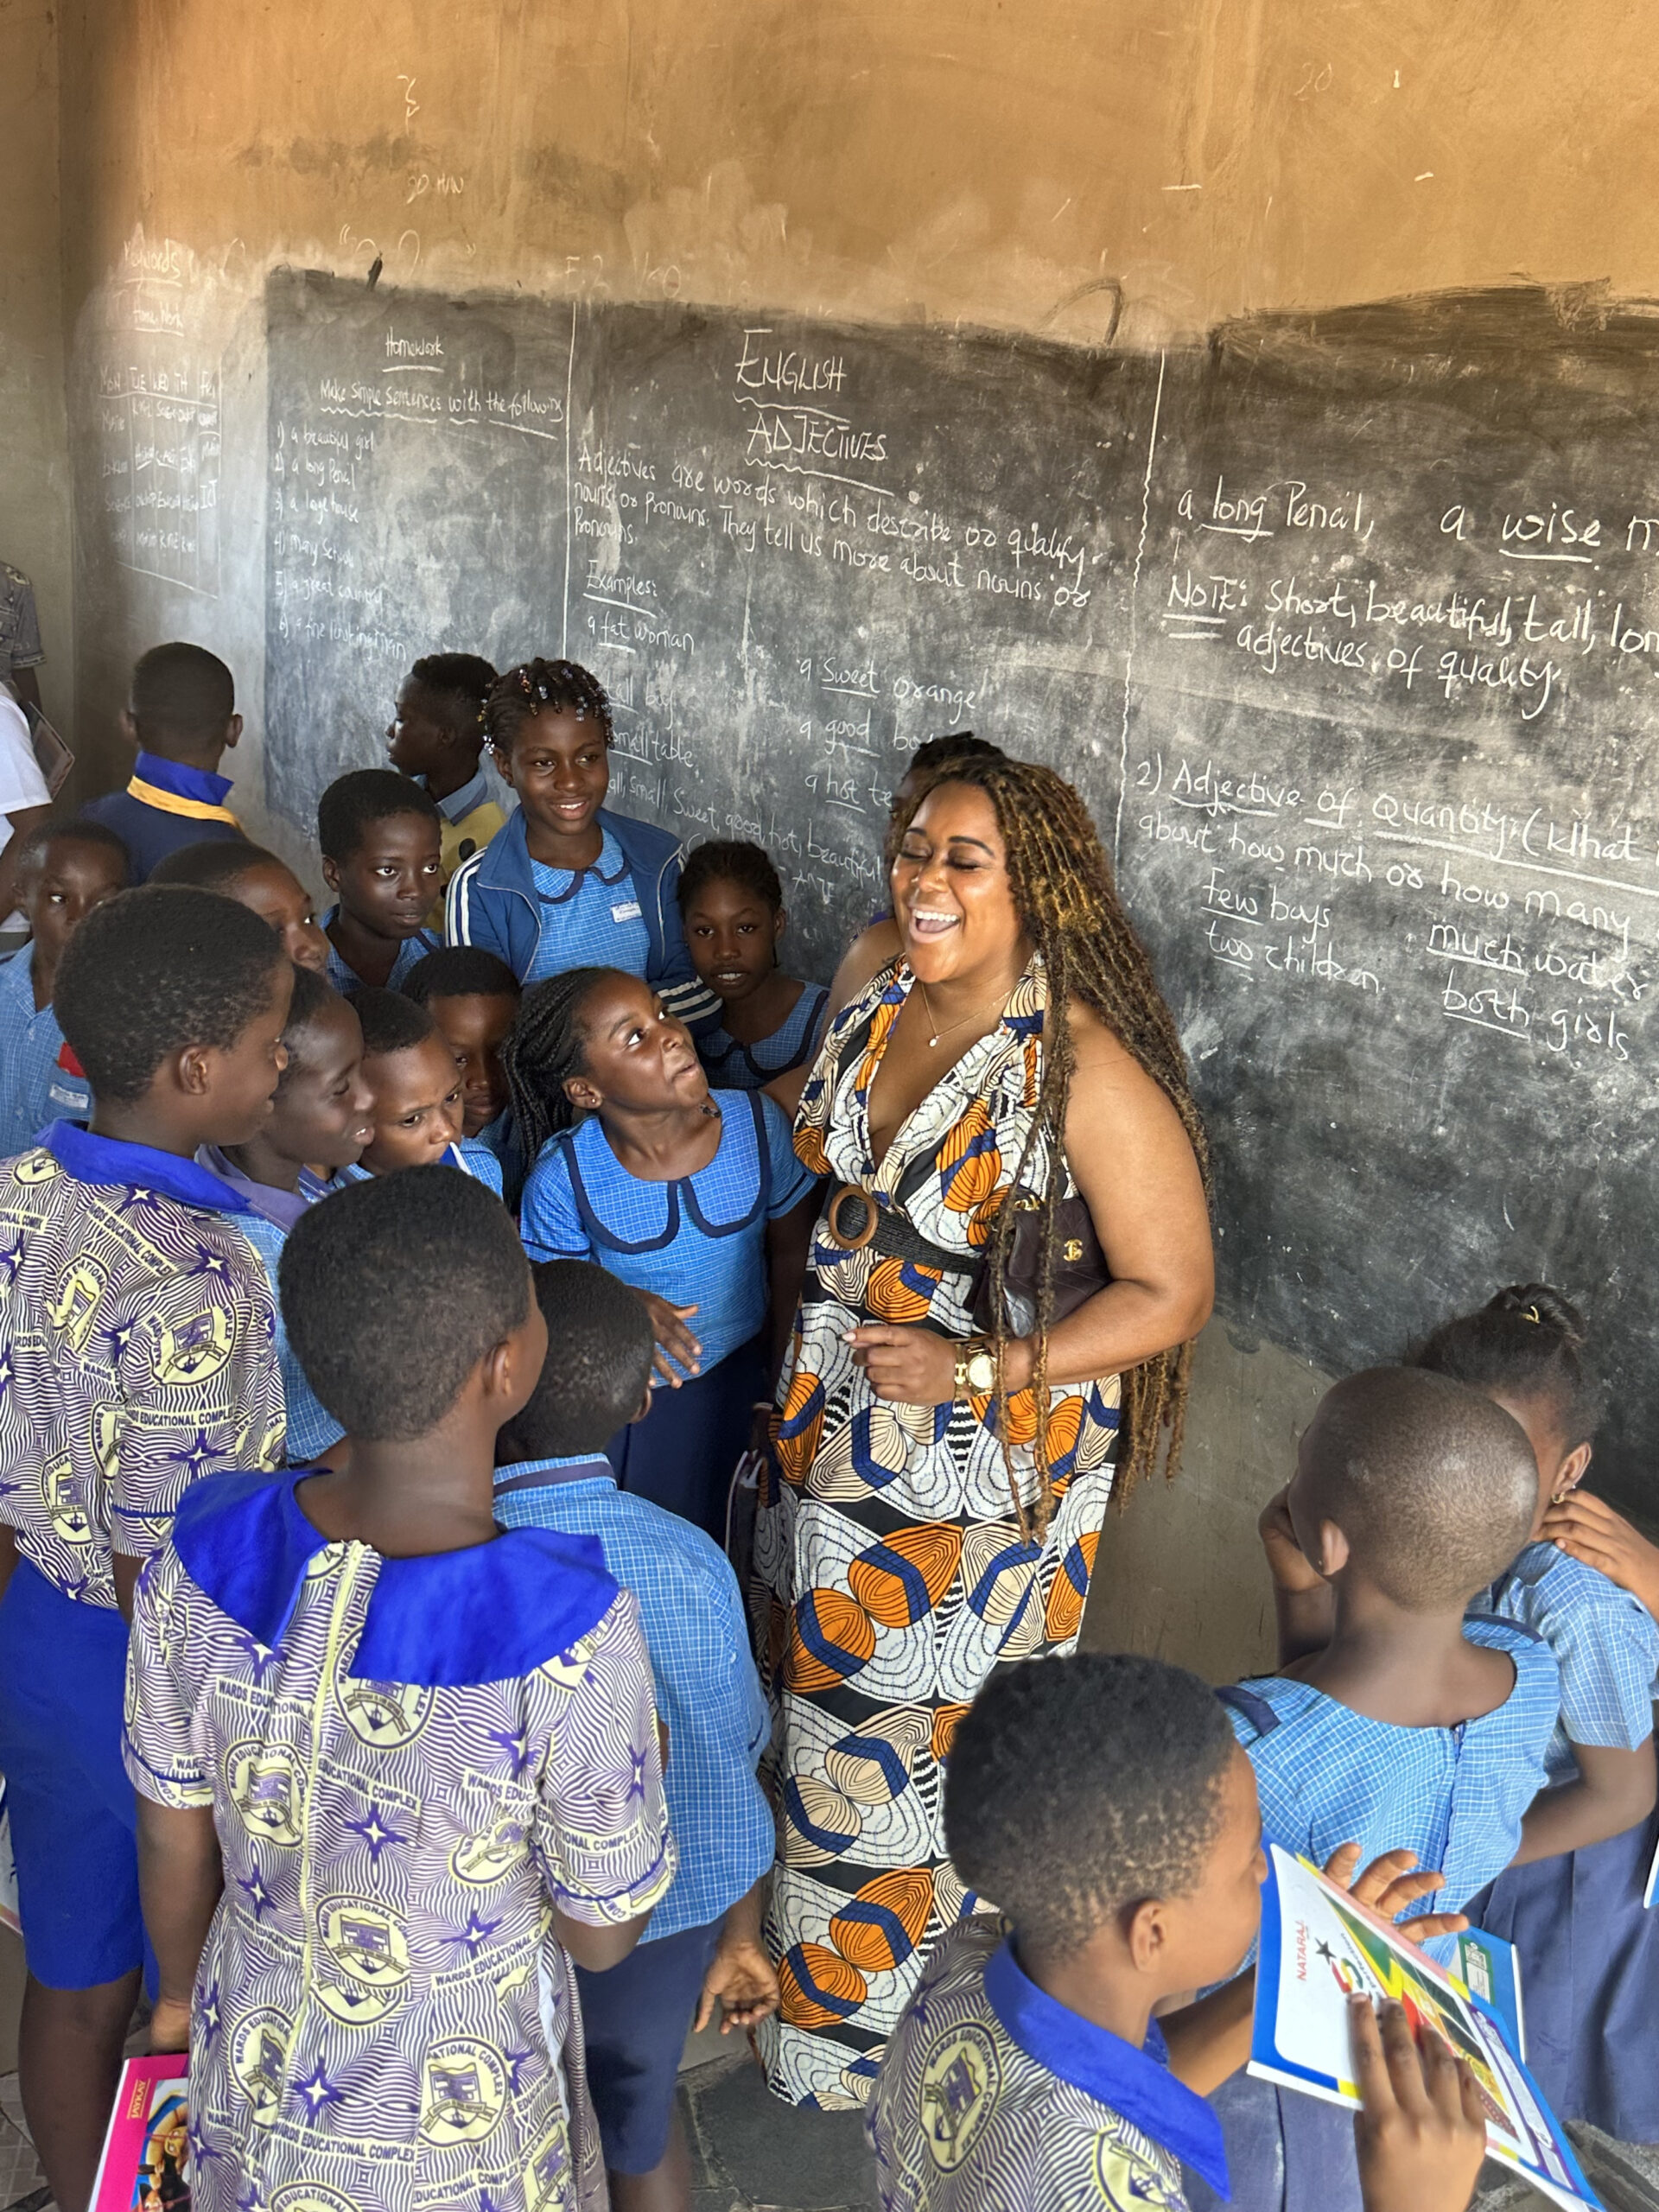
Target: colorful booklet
<point>145,2167</point>
<point>1318,1948</point>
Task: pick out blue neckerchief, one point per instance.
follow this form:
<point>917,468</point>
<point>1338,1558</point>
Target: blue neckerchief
<point>89,1159</point>
<point>1104,2067</point>
<point>547,1474</point>
<point>490,1613</point>
<point>198,784</point>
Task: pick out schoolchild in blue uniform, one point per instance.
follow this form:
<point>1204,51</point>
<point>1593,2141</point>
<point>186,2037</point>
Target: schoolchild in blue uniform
<point>136,1348</point>
<point>319,1125</point>
<point>694,1197</point>
<point>1101,1799</point>
<point>473,997</point>
<point>258,880</point>
<point>1571,1900</point>
<point>703,1949</point>
<point>567,883</point>
<point>64,870</point>
<point>397,1767</point>
<point>732,905</point>
<point>417,1089</point>
<point>1393,1721</point>
<point>382,859</point>
<point>181,716</point>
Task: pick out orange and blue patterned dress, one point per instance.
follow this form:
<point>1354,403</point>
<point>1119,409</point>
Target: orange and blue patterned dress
<point>891,1576</point>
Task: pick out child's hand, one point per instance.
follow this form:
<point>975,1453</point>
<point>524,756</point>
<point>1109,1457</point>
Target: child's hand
<point>1388,1884</point>
<point>742,1979</point>
<point>169,2027</point>
<point>1291,1570</point>
<point>1586,1528</point>
<point>674,1339</point>
<point>1420,2134</point>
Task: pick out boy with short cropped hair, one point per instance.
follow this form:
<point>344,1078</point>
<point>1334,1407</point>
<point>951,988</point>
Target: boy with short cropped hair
<point>379,835</point>
<point>397,1767</point>
<point>181,716</point>
<point>135,1346</point>
<point>435,738</point>
<point>64,870</point>
<point>416,1088</point>
<point>1414,1727</point>
<point>258,880</point>
<point>1101,1800</point>
<point>703,1943</point>
<point>473,997</point>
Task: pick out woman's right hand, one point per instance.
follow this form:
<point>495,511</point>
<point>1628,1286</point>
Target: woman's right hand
<point>1587,1528</point>
<point>1419,2133</point>
<point>674,1339</point>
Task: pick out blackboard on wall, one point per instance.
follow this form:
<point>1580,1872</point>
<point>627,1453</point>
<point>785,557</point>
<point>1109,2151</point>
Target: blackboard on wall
<point>1347,628</point>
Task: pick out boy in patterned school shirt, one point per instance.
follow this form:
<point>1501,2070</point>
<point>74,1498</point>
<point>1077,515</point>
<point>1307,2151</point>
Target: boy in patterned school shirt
<point>703,1949</point>
<point>1395,1720</point>
<point>135,1353</point>
<point>1101,1799</point>
<point>405,1763</point>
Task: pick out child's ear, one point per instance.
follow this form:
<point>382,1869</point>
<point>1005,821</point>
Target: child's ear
<point>232,731</point>
<point>1146,1933</point>
<point>1333,1550</point>
<point>130,730</point>
<point>1571,1473</point>
<point>583,1093</point>
<point>644,1406</point>
<point>331,875</point>
<point>193,1071</point>
<point>503,767</point>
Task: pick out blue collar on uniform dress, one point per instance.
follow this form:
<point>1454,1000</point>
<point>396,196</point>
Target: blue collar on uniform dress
<point>1135,2083</point>
<point>92,1158</point>
<point>459,804</point>
<point>487,1614</point>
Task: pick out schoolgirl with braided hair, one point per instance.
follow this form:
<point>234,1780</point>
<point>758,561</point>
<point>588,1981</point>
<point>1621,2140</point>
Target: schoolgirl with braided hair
<point>692,1197</point>
<point>732,904</point>
<point>1004,1110</point>
<point>567,883</point>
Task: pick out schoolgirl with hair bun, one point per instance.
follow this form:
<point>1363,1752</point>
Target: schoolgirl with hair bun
<point>1571,1901</point>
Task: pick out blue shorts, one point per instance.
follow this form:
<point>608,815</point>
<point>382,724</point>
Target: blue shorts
<point>634,2022</point>
<point>73,1814</point>
<point>682,1455</point>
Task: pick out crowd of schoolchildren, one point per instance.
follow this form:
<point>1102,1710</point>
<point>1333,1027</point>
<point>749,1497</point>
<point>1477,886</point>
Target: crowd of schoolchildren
<point>389,1297</point>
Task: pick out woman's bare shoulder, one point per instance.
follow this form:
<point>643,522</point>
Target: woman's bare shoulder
<point>870,951</point>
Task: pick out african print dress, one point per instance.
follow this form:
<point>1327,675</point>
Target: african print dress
<point>891,1574</point>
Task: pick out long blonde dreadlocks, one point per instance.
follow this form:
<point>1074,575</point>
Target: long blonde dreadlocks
<point>1063,892</point>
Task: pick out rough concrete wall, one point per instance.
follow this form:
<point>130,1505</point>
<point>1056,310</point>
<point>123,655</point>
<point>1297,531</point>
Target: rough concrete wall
<point>35,501</point>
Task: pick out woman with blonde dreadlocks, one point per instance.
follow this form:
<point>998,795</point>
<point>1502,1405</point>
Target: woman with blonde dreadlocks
<point>940,1479</point>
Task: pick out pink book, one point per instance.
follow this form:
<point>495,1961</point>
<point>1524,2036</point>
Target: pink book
<point>145,2164</point>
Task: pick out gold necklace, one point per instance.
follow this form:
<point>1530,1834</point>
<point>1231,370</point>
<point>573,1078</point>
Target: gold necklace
<point>957,1024</point>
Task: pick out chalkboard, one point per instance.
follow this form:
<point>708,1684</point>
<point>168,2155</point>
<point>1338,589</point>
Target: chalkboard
<point>1344,626</point>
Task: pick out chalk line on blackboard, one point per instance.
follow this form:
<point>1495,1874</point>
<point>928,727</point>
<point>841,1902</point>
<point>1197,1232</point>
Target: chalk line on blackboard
<point>1135,586</point>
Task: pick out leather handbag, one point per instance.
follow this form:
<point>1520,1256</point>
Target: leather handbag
<point>1079,1268</point>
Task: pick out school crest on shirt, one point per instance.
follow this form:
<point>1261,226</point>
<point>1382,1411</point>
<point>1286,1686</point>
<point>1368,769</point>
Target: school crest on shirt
<point>266,1790</point>
<point>547,2176</point>
<point>197,1349</point>
<point>71,1312</point>
<point>464,2091</point>
<point>961,2077</point>
<point>369,1952</point>
<point>65,1505</point>
<point>311,2196</point>
<point>34,1168</point>
<point>259,2061</point>
<point>1130,2176</point>
<point>491,1854</point>
<point>385,1715</point>
<point>106,1439</point>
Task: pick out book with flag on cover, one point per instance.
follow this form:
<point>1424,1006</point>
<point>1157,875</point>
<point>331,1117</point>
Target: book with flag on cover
<point>1318,1948</point>
<point>145,2165</point>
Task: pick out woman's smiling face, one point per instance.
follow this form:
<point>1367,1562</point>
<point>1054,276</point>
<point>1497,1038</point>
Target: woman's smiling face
<point>951,896</point>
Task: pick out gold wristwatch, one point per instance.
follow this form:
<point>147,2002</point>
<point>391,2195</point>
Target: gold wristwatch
<point>975,1369</point>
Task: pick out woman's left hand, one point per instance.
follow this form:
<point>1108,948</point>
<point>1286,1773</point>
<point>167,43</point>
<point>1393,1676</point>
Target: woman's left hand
<point>911,1367</point>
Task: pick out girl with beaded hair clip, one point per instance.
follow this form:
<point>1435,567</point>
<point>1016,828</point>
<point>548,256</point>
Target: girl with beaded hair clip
<point>1571,1902</point>
<point>567,883</point>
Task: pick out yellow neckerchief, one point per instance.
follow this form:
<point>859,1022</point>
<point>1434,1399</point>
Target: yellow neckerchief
<point>195,810</point>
